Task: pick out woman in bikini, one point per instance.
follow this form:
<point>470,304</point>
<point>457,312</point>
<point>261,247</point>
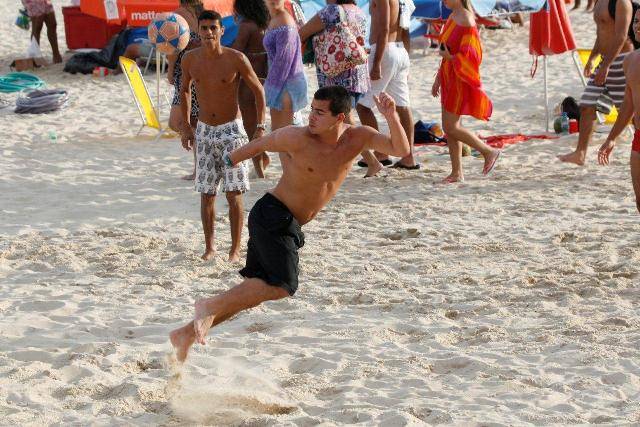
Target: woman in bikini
<point>253,20</point>
<point>189,10</point>
<point>286,85</point>
<point>459,87</point>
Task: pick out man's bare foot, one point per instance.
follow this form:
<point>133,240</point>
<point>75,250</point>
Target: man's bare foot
<point>182,339</point>
<point>57,58</point>
<point>202,321</point>
<point>576,157</point>
<point>452,178</point>
<point>234,256</point>
<point>490,161</point>
<point>189,177</point>
<point>208,254</point>
<point>372,170</point>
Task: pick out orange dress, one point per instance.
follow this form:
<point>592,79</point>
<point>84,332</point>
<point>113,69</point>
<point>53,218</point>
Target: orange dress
<point>460,87</point>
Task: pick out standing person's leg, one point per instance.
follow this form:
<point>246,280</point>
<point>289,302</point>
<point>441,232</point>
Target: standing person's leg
<point>175,118</point>
<point>366,114</point>
<point>588,117</point>
<point>373,165</point>
<point>236,220</point>
<point>36,26</point>
<point>235,182</point>
<point>398,89</point>
<point>213,311</point>
<point>52,35</point>
<point>175,123</point>
<point>635,174</point>
<point>247,103</point>
<point>368,118</point>
<point>206,183</point>
<point>208,217</point>
<point>406,119</point>
<point>451,126</point>
<point>282,117</point>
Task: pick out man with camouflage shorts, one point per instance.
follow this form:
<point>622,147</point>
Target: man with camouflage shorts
<point>216,72</point>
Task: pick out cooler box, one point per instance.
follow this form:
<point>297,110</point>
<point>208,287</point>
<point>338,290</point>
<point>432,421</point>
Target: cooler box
<point>86,31</point>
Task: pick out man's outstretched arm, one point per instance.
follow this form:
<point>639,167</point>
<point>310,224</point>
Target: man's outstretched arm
<point>279,141</point>
<point>397,143</point>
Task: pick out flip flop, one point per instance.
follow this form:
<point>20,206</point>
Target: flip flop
<point>488,170</point>
<point>385,162</point>
<point>398,165</point>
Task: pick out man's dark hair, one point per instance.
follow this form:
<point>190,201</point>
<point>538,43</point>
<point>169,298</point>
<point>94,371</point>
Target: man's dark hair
<point>210,15</point>
<point>339,97</point>
<point>253,10</point>
<point>346,2</point>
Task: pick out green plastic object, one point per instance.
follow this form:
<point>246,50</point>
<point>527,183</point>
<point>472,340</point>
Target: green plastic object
<point>17,82</point>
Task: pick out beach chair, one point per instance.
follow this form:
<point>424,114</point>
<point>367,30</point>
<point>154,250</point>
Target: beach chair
<point>581,56</point>
<point>148,113</point>
<point>151,58</point>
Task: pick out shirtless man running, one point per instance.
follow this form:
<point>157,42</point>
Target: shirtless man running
<point>389,72</point>
<point>630,110</point>
<point>306,186</point>
<point>216,72</point>
<point>606,86</point>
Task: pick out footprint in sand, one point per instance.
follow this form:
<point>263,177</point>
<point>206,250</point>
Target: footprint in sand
<point>409,233</point>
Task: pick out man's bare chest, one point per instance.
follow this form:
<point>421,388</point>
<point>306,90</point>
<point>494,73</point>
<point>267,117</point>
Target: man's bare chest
<point>215,74</point>
<point>601,13</point>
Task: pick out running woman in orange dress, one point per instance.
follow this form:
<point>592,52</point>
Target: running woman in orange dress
<point>459,87</point>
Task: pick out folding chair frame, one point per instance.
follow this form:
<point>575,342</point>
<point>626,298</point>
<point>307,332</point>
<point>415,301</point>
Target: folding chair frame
<point>143,117</point>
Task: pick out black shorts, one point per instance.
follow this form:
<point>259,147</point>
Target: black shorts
<point>274,239</point>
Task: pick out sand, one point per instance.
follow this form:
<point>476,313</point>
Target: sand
<point>509,300</point>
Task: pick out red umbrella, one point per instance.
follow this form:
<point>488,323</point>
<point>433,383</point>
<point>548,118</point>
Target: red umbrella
<point>550,34</point>
<point>139,13</point>
<point>550,31</point>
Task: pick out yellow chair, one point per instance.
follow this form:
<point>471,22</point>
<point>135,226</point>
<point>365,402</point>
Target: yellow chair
<point>148,113</point>
<point>583,55</point>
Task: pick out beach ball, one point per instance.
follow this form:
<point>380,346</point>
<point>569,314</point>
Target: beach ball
<point>169,33</point>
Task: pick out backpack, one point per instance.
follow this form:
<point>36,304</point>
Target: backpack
<point>427,133</point>
<point>570,106</point>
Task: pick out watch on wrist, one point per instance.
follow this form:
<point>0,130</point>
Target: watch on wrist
<point>262,126</point>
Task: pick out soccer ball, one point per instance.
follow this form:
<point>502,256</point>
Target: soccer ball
<point>169,33</point>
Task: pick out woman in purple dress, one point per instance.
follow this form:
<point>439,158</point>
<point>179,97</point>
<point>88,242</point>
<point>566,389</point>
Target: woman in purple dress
<point>253,19</point>
<point>286,85</point>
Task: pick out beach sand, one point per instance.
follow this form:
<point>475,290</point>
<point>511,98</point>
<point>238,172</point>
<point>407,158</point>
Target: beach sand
<point>508,300</point>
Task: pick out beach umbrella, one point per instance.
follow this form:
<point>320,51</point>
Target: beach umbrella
<point>550,33</point>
